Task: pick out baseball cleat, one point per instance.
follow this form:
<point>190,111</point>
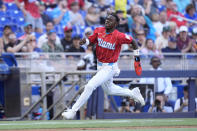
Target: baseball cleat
<point>137,96</point>
<point>69,114</point>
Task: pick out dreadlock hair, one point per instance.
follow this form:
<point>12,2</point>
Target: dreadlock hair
<point>114,15</point>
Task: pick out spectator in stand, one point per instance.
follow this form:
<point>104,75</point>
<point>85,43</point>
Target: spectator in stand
<point>194,2</point>
<point>87,62</point>
<point>129,105</point>
<point>181,104</point>
<point>92,16</point>
<point>49,3</point>
<point>28,30</point>
<point>43,38</point>
<point>184,42</point>
<point>6,32</point>
<point>133,2</point>
<point>123,23</point>
<point>182,4</point>
<point>141,38</point>
<point>162,41</point>
<point>173,14</point>
<point>194,38</point>
<point>50,45</point>
<point>192,15</point>
<point>162,85</point>
<point>76,17</point>
<point>60,14</point>
<point>15,45</point>
<point>149,6</point>
<point>32,45</point>
<point>160,105</point>
<point>80,3</point>
<point>31,13</point>
<point>87,32</point>
<point>161,5</point>
<point>121,5</point>
<point>103,13</point>
<point>173,29</point>
<point>172,46</point>
<point>137,10</point>
<point>158,25</point>
<point>45,17</point>
<point>139,23</point>
<point>75,47</point>
<point>67,40</point>
<point>103,3</point>
<point>150,50</point>
<point>2,6</point>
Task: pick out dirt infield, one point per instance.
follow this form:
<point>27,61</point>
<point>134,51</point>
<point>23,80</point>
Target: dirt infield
<point>101,129</point>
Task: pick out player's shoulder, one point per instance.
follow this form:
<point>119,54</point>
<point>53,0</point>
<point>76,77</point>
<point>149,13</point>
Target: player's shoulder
<point>122,35</point>
<point>118,32</point>
<point>100,29</point>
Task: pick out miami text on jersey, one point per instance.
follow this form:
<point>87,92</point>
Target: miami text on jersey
<point>105,44</point>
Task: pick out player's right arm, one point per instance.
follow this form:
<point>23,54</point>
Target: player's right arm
<point>90,39</point>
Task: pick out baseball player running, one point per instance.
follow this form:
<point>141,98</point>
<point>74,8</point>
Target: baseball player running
<point>108,42</point>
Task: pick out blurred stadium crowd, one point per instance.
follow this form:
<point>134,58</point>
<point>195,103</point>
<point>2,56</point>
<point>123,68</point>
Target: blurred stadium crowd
<point>57,25</point>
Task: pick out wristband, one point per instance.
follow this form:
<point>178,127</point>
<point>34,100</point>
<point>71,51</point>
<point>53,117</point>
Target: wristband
<point>87,42</point>
<point>136,52</point>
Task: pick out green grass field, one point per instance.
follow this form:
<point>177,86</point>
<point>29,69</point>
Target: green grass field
<point>110,125</point>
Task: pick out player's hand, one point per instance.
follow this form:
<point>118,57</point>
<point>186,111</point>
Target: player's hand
<point>137,66</point>
<point>82,41</point>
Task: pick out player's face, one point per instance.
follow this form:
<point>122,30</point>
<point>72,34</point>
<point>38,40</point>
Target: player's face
<point>110,22</point>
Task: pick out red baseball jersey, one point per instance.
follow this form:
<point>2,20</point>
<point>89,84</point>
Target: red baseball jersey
<point>108,46</point>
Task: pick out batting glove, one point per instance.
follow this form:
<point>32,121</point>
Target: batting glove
<point>137,65</point>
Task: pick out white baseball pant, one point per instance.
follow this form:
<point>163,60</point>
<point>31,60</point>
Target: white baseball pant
<point>104,78</point>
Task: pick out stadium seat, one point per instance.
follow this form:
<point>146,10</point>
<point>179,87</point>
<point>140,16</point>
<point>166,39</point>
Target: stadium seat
<point>11,6</point>
<point>20,21</point>
<point>14,28</point>
<point>2,14</point>
<point>1,28</point>
<point>3,21</point>
<point>61,36</point>
<point>16,14</point>
<point>9,59</point>
<point>19,34</point>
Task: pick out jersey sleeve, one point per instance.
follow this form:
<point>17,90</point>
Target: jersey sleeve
<point>93,37</point>
<point>124,38</point>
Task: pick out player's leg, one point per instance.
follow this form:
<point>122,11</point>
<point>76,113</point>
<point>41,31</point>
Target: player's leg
<point>112,89</point>
<point>101,76</point>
